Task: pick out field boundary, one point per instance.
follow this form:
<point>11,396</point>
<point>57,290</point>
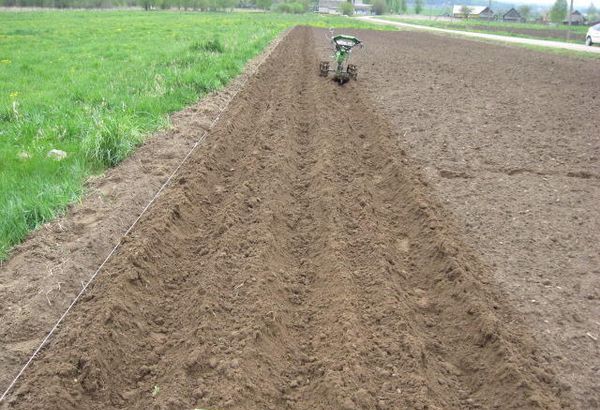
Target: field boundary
<point>505,39</point>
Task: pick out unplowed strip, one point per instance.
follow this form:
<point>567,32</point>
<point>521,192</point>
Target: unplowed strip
<point>298,262</point>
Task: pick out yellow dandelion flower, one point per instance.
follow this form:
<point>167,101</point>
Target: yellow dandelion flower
<point>14,94</point>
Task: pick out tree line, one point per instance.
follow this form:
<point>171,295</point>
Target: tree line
<point>558,12</point>
<point>288,6</point>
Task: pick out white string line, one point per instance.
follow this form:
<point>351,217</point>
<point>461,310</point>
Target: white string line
<point>45,340</point>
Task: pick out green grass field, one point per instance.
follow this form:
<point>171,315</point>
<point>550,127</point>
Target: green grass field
<point>95,84</point>
<point>527,30</point>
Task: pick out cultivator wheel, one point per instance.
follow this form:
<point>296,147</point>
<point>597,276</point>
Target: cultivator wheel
<point>324,68</point>
<point>353,71</point>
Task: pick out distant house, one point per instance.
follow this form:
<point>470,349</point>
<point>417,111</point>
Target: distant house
<point>333,7</point>
<point>329,6</point>
<point>361,8</point>
<point>475,12</point>
<point>512,15</point>
<point>576,18</point>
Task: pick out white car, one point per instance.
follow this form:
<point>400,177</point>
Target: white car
<point>593,35</point>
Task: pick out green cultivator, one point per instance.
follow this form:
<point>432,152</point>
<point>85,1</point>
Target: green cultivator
<point>343,71</point>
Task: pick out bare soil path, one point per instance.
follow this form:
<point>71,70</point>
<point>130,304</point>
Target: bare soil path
<point>299,261</point>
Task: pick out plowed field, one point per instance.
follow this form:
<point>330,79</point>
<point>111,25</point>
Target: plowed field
<point>300,259</point>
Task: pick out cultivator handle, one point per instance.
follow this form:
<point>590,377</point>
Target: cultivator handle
<point>345,41</point>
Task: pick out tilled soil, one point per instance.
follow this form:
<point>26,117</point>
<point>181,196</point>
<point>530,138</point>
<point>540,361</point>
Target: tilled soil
<point>508,139</point>
<point>298,261</point>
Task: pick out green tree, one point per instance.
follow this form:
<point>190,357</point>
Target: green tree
<point>224,4</point>
<point>393,6</point>
<point>418,6</point>
<point>346,8</point>
<point>592,12</point>
<point>465,11</point>
<point>264,4</point>
<point>379,7</point>
<point>525,11</point>
<point>403,6</point>
<point>147,4</point>
<point>558,12</point>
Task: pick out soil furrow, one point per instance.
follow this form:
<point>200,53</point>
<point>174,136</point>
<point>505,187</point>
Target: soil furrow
<point>299,261</point>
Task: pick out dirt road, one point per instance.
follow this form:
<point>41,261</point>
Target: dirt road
<point>299,261</point>
<point>495,37</point>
